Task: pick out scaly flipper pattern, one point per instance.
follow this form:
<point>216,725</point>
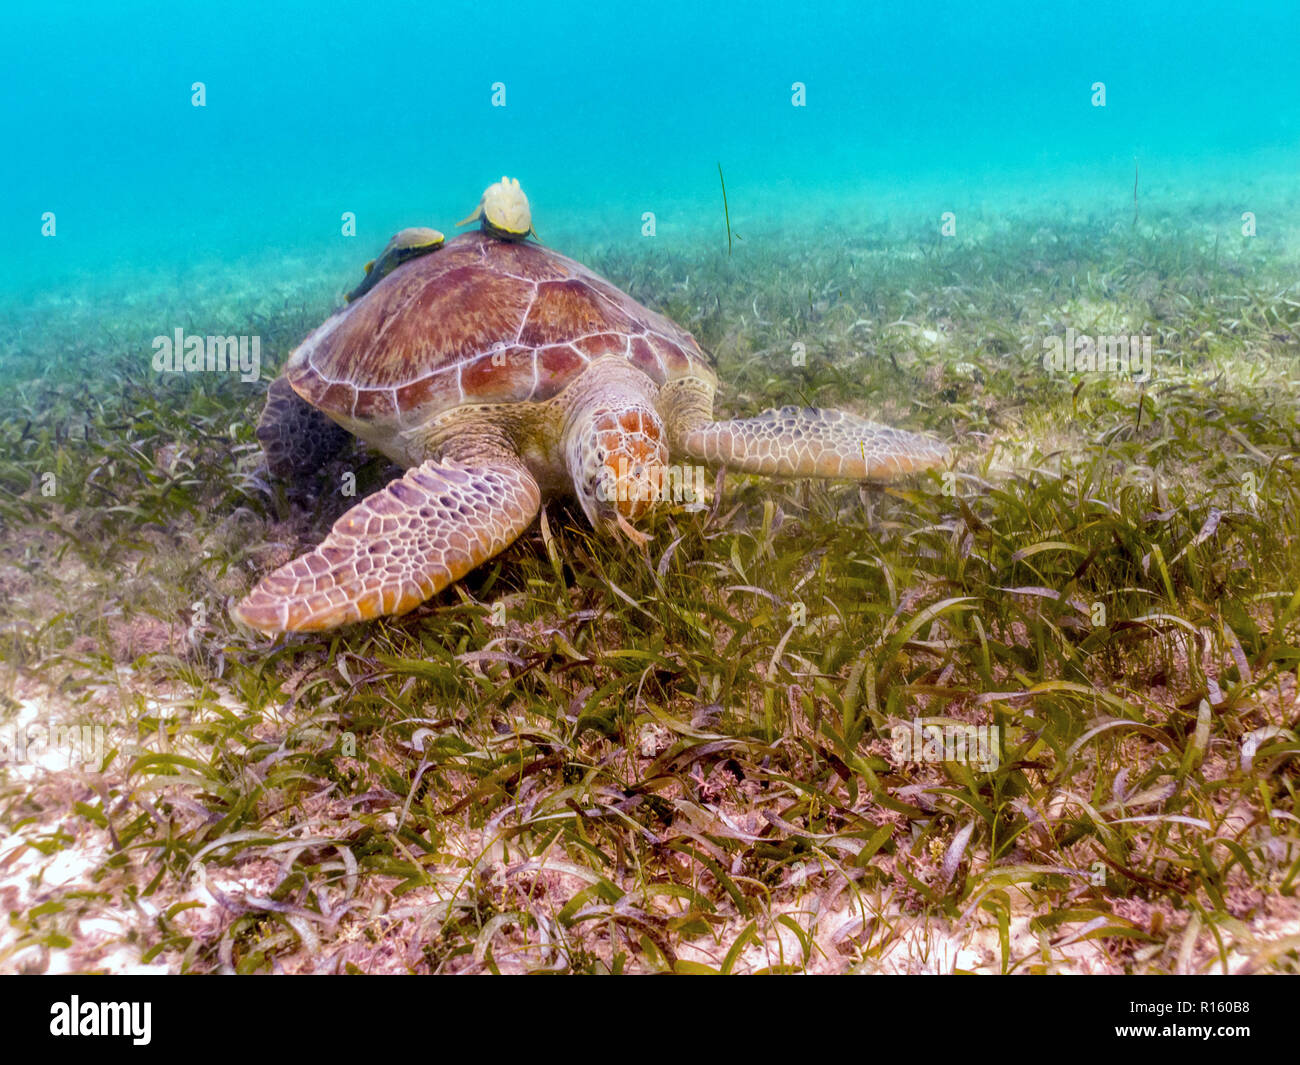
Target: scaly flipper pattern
<point>808,442</point>
<point>398,547</point>
<point>296,438</point>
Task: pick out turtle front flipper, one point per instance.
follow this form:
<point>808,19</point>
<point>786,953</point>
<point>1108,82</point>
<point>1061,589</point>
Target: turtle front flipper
<point>296,438</point>
<point>398,547</point>
<point>809,442</point>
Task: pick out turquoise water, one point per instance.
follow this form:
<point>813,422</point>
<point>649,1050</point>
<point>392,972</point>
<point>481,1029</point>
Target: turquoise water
<point>313,110</point>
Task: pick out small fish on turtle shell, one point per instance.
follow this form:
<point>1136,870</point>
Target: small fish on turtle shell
<point>503,212</point>
<point>406,245</point>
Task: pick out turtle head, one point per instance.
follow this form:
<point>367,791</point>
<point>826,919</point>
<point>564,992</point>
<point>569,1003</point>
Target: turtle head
<point>504,212</point>
<point>617,455</point>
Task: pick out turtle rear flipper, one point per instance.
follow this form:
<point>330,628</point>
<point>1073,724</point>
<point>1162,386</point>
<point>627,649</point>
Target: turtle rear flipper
<point>810,442</point>
<point>296,437</point>
<point>398,547</point>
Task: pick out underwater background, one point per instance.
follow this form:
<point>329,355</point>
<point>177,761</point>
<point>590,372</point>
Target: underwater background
<point>610,111</point>
<point>703,755</point>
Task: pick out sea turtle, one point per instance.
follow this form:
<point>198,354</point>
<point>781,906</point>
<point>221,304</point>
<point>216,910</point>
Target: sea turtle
<point>504,212</point>
<point>500,373</point>
<point>405,246</point>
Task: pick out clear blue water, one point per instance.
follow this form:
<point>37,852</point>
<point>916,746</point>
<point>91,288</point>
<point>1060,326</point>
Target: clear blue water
<point>611,110</point>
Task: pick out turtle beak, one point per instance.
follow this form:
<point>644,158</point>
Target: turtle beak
<point>635,535</point>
